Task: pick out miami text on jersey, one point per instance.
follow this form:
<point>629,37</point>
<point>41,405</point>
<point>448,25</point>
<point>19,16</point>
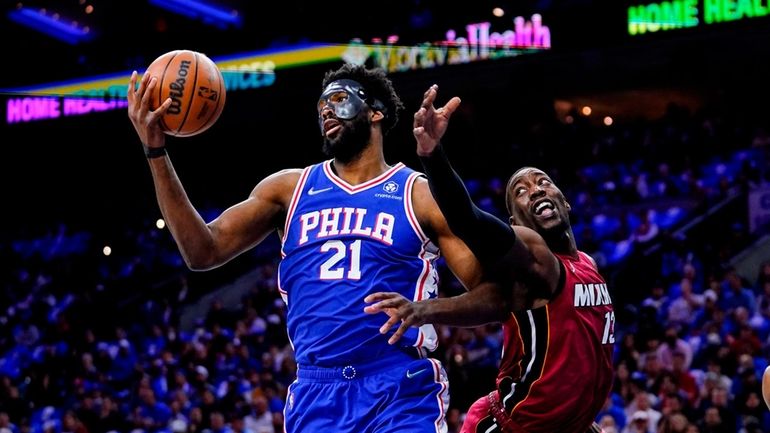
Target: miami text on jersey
<point>591,295</point>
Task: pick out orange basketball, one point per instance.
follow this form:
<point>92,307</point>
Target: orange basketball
<point>196,88</point>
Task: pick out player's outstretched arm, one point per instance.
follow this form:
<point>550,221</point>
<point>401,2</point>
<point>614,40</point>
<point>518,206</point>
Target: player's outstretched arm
<point>486,235</point>
<point>205,246</point>
<point>484,304</point>
<point>523,266</point>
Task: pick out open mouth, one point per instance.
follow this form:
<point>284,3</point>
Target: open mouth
<point>331,126</point>
<point>544,208</point>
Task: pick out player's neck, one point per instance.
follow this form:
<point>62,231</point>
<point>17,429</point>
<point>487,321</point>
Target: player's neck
<point>368,165</point>
<point>562,242</point>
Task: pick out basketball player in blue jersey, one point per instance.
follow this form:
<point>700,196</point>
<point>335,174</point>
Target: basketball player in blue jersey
<point>350,226</point>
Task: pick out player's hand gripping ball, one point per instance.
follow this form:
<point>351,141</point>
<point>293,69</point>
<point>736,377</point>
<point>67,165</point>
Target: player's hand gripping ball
<point>196,88</point>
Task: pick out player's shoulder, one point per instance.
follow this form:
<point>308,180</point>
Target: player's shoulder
<point>589,258</point>
<point>281,183</point>
<point>286,176</point>
<point>421,182</point>
<point>289,173</point>
<point>424,205</point>
<point>422,198</point>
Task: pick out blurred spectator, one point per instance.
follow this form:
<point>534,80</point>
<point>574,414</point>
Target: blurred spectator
<point>639,423</point>
<point>72,424</point>
<point>109,418</point>
<point>674,423</point>
<point>735,293</point>
<point>657,301</point>
<point>683,308</point>
<point>217,424</point>
<point>646,231</point>
<point>608,424</point>
<point>684,379</point>
<point>641,409</point>
<point>673,343</point>
<point>238,425</point>
<point>6,426</point>
<point>612,409</point>
<point>259,418</point>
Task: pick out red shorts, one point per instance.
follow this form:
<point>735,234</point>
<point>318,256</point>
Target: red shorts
<point>486,416</point>
<point>478,417</point>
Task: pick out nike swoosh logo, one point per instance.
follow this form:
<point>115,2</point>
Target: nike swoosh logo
<point>312,191</point>
<point>411,375</point>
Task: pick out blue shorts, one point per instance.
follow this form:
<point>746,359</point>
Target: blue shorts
<point>391,395</point>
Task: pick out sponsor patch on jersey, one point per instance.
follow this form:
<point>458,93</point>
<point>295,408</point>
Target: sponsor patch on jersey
<point>390,187</point>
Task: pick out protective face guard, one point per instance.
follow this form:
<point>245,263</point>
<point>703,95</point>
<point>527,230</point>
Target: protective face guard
<point>346,98</point>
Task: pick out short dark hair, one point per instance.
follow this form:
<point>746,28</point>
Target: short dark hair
<point>508,196</point>
<point>378,86</point>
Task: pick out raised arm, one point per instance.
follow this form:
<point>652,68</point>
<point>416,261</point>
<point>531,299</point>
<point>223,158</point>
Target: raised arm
<point>506,257</point>
<point>486,235</point>
<point>204,246</point>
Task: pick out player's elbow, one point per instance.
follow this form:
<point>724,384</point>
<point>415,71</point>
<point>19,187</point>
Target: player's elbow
<point>197,267</point>
<point>200,262</point>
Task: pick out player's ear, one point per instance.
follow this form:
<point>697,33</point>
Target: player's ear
<point>377,116</point>
<point>566,203</point>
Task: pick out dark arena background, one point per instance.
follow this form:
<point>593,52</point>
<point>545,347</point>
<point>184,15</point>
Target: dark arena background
<point>653,118</point>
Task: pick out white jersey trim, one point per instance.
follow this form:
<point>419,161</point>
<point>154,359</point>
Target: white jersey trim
<point>409,207</point>
<point>295,196</point>
<point>442,397</point>
<point>352,189</point>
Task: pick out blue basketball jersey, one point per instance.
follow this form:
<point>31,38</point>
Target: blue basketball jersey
<point>342,242</point>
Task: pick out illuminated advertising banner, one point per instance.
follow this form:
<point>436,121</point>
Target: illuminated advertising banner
<point>479,42</point>
<point>108,92</point>
<point>258,69</point>
<point>677,14</point>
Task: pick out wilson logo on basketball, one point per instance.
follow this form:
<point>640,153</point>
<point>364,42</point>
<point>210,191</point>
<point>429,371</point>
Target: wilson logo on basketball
<point>176,88</point>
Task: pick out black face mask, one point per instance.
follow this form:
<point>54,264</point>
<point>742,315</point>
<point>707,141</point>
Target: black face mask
<point>346,99</point>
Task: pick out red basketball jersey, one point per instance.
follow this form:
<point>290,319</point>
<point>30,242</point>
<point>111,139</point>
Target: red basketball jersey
<point>556,370</point>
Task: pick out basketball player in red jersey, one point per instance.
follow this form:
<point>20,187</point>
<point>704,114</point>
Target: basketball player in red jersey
<point>556,370</point>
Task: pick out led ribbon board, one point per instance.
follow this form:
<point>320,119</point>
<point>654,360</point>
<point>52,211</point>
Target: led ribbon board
<point>108,92</point>
<point>678,14</point>
<point>257,69</point>
<point>479,42</point>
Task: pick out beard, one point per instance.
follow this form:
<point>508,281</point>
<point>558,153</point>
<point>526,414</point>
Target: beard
<point>348,144</point>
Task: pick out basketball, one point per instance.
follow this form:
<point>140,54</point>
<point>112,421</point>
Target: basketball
<point>196,88</point>
<point>766,386</point>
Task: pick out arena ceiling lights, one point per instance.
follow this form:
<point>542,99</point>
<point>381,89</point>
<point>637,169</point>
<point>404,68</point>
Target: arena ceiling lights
<point>52,24</point>
<point>208,13</point>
